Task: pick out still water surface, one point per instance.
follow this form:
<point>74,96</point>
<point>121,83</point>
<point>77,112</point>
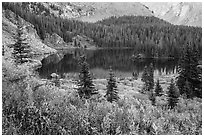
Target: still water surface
<point>100,61</point>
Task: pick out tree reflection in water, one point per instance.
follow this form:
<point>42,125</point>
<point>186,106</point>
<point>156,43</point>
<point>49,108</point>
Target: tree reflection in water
<point>100,60</point>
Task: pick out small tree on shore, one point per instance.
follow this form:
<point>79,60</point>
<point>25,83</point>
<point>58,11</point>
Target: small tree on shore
<point>187,89</point>
<point>158,89</point>
<point>86,87</point>
<point>148,78</point>
<point>21,48</point>
<point>173,94</point>
<point>151,77</point>
<point>111,93</point>
<point>3,50</point>
<point>145,74</point>
<point>152,97</point>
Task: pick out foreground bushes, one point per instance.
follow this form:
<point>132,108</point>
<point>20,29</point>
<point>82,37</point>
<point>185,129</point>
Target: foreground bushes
<point>50,110</point>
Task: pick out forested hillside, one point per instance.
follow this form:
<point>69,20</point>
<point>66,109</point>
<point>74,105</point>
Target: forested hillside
<point>149,35</point>
<point>134,20</point>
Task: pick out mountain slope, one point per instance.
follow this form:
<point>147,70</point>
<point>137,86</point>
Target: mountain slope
<point>9,28</point>
<point>182,13</point>
<point>178,13</point>
<point>102,10</point>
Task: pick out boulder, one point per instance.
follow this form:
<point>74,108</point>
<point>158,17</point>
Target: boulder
<point>54,75</point>
<point>35,64</point>
<point>54,41</point>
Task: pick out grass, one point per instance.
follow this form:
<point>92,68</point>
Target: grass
<point>33,107</point>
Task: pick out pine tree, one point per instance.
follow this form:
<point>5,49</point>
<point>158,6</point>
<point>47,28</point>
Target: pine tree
<point>158,89</point>
<point>188,71</point>
<point>187,89</point>
<point>173,95</point>
<point>145,74</point>
<point>144,78</point>
<point>151,77</point>
<point>21,47</point>
<point>3,50</point>
<point>148,78</point>
<point>75,43</point>
<point>86,87</point>
<point>152,97</point>
<point>111,93</point>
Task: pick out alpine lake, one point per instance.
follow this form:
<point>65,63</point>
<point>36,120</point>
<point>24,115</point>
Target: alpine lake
<point>100,61</point>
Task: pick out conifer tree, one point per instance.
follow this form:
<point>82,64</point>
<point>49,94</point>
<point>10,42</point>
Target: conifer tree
<point>151,77</point>
<point>144,78</point>
<point>158,89</point>
<point>173,94</point>
<point>3,50</point>
<point>75,43</point>
<point>148,78</point>
<point>188,71</point>
<point>111,93</point>
<point>86,87</point>
<point>21,47</point>
<point>187,89</point>
<point>145,74</point>
<point>152,97</point>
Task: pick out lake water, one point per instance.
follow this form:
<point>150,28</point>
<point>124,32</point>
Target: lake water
<point>100,61</point>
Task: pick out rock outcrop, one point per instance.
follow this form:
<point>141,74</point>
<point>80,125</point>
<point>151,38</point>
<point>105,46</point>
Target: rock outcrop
<point>179,13</point>
<point>55,41</point>
<point>103,10</point>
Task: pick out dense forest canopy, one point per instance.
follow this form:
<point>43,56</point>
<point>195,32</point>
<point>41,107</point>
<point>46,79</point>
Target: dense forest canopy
<point>134,20</point>
<point>149,35</point>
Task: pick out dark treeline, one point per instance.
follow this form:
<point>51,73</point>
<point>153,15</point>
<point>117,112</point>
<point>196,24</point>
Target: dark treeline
<point>148,35</point>
<point>130,20</point>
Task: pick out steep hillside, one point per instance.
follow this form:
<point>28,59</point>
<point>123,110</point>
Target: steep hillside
<point>102,10</point>
<point>179,13</point>
<point>182,13</point>
<point>8,36</point>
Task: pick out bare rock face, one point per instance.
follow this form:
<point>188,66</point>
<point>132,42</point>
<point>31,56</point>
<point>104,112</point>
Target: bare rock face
<point>103,10</point>
<point>54,58</point>
<point>67,10</point>
<point>35,64</point>
<point>179,13</point>
<point>54,41</point>
<point>88,11</point>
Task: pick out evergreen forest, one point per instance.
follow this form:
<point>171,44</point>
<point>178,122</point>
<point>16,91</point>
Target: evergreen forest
<point>148,35</point>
